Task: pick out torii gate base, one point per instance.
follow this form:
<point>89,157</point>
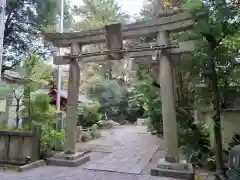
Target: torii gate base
<point>74,160</point>
<point>179,170</point>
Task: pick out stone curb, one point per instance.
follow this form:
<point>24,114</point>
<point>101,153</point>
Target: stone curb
<point>31,165</point>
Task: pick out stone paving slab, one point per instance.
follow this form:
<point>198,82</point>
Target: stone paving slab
<point>60,173</point>
<point>125,160</point>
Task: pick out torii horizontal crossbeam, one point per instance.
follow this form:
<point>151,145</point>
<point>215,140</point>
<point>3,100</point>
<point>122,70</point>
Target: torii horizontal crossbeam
<point>182,47</point>
<point>175,22</point>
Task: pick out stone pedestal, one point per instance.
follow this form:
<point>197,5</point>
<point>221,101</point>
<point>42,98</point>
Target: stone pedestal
<point>60,121</point>
<point>179,170</point>
<point>71,160</point>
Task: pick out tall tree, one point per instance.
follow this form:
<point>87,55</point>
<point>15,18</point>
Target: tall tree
<point>216,58</point>
<point>24,23</point>
<point>96,14</point>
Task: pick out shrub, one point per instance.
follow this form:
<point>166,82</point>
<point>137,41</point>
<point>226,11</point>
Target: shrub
<point>234,141</point>
<point>88,114</point>
<point>233,174</point>
<point>195,143</point>
<point>51,140</point>
<point>149,96</point>
<point>40,109</point>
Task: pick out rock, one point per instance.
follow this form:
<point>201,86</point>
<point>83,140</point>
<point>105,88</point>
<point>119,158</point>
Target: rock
<point>94,127</point>
<point>79,134</point>
<point>86,136</point>
<point>111,124</point>
<point>106,124</point>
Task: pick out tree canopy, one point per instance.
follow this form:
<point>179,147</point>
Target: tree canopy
<point>25,21</point>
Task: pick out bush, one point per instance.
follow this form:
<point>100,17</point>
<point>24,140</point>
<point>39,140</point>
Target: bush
<point>88,114</point>
<point>149,96</point>
<point>51,140</point>
<point>234,141</point>
<point>195,143</point>
<point>40,108</point>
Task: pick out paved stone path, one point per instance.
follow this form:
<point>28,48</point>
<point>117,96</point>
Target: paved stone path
<point>126,149</point>
<point>131,154</point>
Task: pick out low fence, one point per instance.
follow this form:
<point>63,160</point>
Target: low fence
<point>19,147</point>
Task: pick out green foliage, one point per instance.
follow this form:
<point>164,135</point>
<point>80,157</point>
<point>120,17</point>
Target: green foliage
<point>40,109</point>
<point>135,105</point>
<point>51,140</point>
<point>24,23</point>
<point>34,72</point>
<point>233,174</point>
<point>4,127</point>
<point>195,142</point>
<point>97,13</point>
<point>149,94</point>
<point>234,141</point>
<point>88,114</point>
<point>216,56</point>
<point>111,96</point>
<point>5,90</point>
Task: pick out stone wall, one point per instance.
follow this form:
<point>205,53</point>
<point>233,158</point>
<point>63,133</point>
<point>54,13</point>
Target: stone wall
<point>16,146</point>
<point>230,124</point>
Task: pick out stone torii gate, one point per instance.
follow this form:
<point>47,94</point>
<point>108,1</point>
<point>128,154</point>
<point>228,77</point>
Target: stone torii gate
<point>113,35</point>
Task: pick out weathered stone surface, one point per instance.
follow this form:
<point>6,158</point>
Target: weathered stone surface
<point>15,146</point>
<point>180,170</point>
<point>176,22</point>
<point>130,158</point>
<point>3,150</point>
<point>32,165</point>
<point>79,134</point>
<point>68,160</point>
<point>186,175</point>
<point>167,92</point>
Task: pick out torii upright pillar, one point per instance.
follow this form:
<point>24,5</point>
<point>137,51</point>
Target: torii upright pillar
<point>170,166</point>
<point>70,157</point>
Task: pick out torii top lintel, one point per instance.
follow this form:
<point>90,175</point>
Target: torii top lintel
<point>175,21</point>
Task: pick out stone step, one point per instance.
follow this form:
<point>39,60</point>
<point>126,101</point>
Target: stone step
<point>68,160</point>
<point>177,174</point>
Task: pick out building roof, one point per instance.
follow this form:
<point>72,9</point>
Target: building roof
<point>12,76</point>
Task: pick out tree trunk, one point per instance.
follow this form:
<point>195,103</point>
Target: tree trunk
<point>26,101</point>
<point>110,70</point>
<point>216,118</point>
<point>17,113</point>
<point>225,93</point>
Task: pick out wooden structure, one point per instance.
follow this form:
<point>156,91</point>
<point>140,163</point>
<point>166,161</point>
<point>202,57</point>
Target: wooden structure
<point>16,146</point>
<point>113,35</point>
